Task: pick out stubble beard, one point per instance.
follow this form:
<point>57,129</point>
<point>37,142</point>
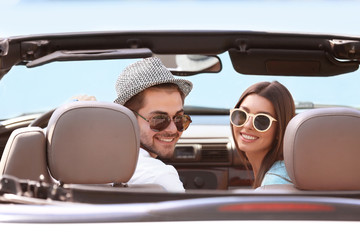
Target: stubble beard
<point>164,152</point>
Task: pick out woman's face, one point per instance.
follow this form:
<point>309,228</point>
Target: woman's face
<point>249,140</point>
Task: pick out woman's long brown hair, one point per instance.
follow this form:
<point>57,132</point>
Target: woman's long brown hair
<point>284,106</point>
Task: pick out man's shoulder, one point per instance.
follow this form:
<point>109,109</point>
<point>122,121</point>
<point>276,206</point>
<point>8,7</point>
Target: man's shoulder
<point>153,163</point>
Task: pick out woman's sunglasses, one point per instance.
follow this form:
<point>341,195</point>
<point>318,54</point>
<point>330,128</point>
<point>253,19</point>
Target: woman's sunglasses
<point>261,121</point>
<point>160,122</point>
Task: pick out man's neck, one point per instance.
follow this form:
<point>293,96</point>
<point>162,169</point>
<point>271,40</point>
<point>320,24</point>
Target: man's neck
<point>151,153</point>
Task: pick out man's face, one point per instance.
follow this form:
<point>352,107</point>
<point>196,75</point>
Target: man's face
<point>160,101</point>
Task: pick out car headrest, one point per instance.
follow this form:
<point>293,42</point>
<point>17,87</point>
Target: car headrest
<point>93,143</point>
<point>322,151</point>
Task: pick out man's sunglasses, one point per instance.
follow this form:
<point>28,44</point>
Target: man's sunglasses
<point>160,122</point>
<point>261,121</point>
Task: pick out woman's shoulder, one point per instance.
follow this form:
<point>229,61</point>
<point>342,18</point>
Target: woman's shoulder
<point>277,174</point>
<point>278,166</point>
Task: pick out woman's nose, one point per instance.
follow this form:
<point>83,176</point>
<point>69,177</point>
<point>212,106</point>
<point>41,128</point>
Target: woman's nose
<point>248,123</point>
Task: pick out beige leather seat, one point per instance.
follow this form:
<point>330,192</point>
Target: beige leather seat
<point>24,155</point>
<point>322,149</point>
<point>85,142</point>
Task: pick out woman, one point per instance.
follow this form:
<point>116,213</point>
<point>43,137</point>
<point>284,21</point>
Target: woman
<point>258,123</point>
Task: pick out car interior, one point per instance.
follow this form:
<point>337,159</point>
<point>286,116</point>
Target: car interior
<point>84,140</point>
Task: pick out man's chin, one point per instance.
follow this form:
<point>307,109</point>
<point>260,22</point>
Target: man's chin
<point>161,153</point>
<point>168,153</point>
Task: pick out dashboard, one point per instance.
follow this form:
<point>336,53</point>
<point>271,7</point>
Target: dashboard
<point>206,157</point>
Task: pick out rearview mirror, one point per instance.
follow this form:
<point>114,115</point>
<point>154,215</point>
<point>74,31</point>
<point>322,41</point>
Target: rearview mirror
<point>191,64</point>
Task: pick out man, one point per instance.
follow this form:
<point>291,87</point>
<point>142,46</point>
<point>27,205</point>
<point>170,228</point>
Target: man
<point>157,99</point>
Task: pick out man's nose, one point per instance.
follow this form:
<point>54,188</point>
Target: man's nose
<point>172,126</point>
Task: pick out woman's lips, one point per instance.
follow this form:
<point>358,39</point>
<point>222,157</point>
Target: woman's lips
<point>247,137</point>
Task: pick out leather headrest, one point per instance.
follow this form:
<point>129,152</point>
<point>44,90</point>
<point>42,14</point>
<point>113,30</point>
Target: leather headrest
<point>92,142</point>
<point>322,150</point>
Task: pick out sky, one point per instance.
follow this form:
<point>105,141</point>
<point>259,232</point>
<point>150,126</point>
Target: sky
<point>41,16</point>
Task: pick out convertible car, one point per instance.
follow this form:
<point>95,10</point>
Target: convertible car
<point>97,142</point>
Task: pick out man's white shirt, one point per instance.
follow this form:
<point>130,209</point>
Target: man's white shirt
<point>153,171</point>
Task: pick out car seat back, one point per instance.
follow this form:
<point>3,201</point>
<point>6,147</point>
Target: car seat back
<point>92,142</point>
<point>24,155</point>
<point>321,149</point>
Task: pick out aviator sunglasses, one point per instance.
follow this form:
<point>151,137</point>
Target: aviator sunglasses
<point>160,122</point>
<point>261,121</point>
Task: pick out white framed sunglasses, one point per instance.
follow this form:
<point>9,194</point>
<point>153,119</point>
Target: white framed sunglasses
<point>261,121</point>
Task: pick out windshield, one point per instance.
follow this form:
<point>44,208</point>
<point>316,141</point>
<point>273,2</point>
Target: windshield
<point>31,90</point>
<point>39,89</point>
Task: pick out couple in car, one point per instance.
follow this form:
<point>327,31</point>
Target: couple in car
<point>156,97</point>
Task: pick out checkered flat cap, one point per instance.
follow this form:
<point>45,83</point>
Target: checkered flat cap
<point>144,74</point>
